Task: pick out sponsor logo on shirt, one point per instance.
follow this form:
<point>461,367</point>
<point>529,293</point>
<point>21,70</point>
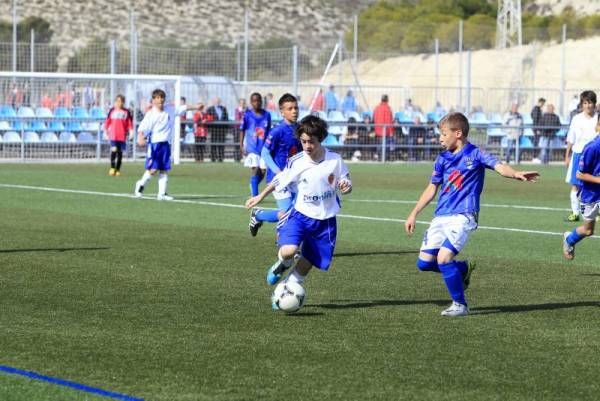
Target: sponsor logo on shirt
<point>455,180</point>
<point>319,198</point>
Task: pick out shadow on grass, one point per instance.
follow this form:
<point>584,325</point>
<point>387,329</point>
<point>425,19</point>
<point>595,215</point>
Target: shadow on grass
<point>346,254</point>
<point>305,314</point>
<point>350,304</point>
<point>591,274</point>
<point>487,310</point>
<point>53,249</point>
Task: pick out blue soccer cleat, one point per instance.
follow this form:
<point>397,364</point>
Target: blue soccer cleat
<point>275,272</point>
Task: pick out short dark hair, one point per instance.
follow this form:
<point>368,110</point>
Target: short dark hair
<point>256,94</point>
<point>287,98</point>
<point>590,96</point>
<point>541,100</point>
<point>385,98</point>
<point>119,96</point>
<point>159,93</point>
<point>312,126</point>
<point>456,121</point>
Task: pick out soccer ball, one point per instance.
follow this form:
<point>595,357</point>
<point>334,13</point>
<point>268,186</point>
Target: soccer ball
<point>289,297</point>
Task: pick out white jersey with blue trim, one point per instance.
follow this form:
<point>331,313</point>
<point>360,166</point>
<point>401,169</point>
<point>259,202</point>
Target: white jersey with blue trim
<point>582,131</point>
<point>157,125</point>
<point>315,183</point>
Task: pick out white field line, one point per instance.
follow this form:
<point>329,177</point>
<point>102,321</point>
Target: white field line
<point>239,206</point>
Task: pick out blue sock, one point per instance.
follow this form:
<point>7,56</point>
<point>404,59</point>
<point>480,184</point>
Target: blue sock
<point>428,266</point>
<point>462,266</point>
<point>574,237</point>
<point>269,215</point>
<point>254,181</point>
<point>454,281</point>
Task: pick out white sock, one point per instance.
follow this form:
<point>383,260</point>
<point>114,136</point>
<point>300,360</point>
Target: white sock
<point>286,262</point>
<point>295,277</point>
<point>574,203</point>
<point>145,178</point>
<point>162,183</point>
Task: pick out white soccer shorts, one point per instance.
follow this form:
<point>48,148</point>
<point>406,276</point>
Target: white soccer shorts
<point>455,228</point>
<point>589,211</point>
<point>253,160</point>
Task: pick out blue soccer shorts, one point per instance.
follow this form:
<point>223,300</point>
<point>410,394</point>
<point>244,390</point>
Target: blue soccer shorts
<point>316,236</point>
<point>571,177</point>
<point>119,145</point>
<point>159,156</point>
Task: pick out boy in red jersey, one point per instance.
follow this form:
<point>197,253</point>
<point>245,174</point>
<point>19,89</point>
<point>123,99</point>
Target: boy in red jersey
<point>118,125</point>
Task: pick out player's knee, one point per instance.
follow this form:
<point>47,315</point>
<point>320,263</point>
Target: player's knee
<point>288,251</point>
<point>588,230</point>
<point>152,172</point>
<point>426,265</point>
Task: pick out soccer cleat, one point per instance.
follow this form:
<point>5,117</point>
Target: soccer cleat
<point>139,190</point>
<point>456,309</point>
<point>568,250</point>
<point>276,272</point>
<point>254,224</point>
<point>274,304</point>
<point>467,277</point>
<point>117,173</point>
<point>112,172</point>
<point>572,217</point>
<point>164,197</point>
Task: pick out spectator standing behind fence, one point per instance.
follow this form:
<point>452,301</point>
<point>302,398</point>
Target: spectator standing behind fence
<point>514,121</point>
<point>365,136</point>
<point>349,103</point>
<point>331,101</point>
<point>416,139</point>
<point>270,103</point>
<point>552,121</point>
<point>383,119</point>
<point>240,110</point>
<point>200,131</point>
<point>217,129</point>
<point>536,118</point>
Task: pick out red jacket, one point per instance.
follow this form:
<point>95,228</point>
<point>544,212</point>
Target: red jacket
<point>382,115</point>
<point>200,118</point>
<point>118,124</point>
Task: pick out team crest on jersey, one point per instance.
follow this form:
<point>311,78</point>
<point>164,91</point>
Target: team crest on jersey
<point>469,162</point>
<point>260,132</point>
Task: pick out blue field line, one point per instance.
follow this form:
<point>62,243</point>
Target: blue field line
<point>67,383</point>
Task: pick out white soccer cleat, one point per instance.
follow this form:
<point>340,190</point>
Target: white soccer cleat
<point>138,192</point>
<point>164,197</point>
<point>568,250</point>
<point>456,309</point>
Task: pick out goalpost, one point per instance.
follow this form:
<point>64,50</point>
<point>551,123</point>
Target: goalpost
<point>59,116</point>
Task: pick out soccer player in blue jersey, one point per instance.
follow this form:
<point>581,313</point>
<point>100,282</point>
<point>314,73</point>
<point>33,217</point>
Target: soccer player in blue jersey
<point>280,145</point>
<point>588,174</point>
<point>317,175</point>
<point>255,127</point>
<point>156,131</point>
<point>458,173</point>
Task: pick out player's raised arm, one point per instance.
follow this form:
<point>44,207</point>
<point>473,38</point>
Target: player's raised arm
<point>507,171</point>
<point>427,196</point>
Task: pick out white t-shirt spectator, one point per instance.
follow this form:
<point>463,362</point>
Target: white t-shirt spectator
<point>582,131</point>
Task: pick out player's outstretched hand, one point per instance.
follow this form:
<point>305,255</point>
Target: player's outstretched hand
<point>531,176</point>
<point>345,187</point>
<point>250,203</point>
<point>409,225</point>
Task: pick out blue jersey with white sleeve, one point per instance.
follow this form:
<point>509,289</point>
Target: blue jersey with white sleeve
<point>460,177</point>
<point>256,128</point>
<point>282,144</point>
<point>589,163</point>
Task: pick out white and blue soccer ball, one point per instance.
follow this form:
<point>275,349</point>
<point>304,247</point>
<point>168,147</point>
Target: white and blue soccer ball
<point>289,297</point>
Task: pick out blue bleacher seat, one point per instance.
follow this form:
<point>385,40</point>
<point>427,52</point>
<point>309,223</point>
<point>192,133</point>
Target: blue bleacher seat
<point>97,113</point>
<point>93,126</point>
<point>80,112</point>
<point>11,136</point>
<point>478,118</point>
<point>44,112</point>
<point>7,111</point>
<point>354,115</point>
<point>335,115</point>
<point>367,113</point>
<point>496,118</point>
<point>31,137</point>
<point>525,143</point>
<point>330,140</point>
<point>275,116</point>
<point>401,117</point>
<point>495,131</point>
<point>85,137</point>
<point>5,126</point>
<point>18,125</point>
<point>61,112</point>
<point>67,137</point>
<point>56,126</point>
<point>25,112</point>
<point>36,125</point>
<point>73,126</point>
<point>49,137</point>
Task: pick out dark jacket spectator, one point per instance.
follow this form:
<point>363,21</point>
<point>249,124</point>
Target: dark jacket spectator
<point>217,131</point>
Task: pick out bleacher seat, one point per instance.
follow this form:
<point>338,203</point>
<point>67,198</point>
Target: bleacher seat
<point>275,116</point>
<point>97,113</point>
<point>367,113</point>
<point>11,136</point>
<point>93,126</point>
<point>5,126</point>
<point>49,137</point>
<point>478,118</point>
<point>67,137</point>
<point>61,112</point>
<point>527,120</point>
<point>354,115</point>
<point>303,114</point>
<point>43,112</point>
<point>335,115</point>
<point>321,114</point>
<point>56,126</point>
<point>330,140</point>
<point>31,137</point>
<point>80,112</point>
<point>495,132</point>
<point>496,118</point>
<point>86,137</point>
<point>401,117</point>
<point>18,125</point>
<point>7,111</point>
<point>73,126</point>
<point>524,142</point>
<point>36,125</point>
<point>25,112</point>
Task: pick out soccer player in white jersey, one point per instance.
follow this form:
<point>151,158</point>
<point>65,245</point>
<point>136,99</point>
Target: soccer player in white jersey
<point>317,175</point>
<point>459,173</point>
<point>156,131</point>
<point>581,131</point>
